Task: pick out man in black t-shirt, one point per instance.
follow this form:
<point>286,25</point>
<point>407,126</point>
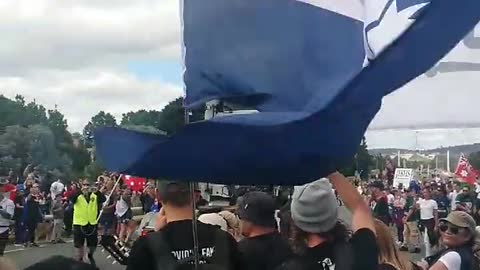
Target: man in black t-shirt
<point>173,243</point>
<point>263,247</point>
<point>380,209</point>
<point>464,201</point>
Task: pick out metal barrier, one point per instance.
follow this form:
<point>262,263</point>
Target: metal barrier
<point>137,213</point>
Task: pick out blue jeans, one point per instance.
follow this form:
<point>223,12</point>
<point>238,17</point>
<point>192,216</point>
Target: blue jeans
<point>3,242</point>
<point>19,232</point>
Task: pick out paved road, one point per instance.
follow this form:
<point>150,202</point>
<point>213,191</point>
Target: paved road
<point>25,257</point>
<point>345,215</point>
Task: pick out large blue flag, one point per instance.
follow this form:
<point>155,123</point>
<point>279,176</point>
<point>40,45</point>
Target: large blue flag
<point>316,71</point>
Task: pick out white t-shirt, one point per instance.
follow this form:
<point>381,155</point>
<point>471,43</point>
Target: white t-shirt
<point>426,208</point>
<point>121,207</point>
<point>451,260</point>
<point>390,198</point>
<point>453,198</point>
<point>477,190</point>
<point>6,205</point>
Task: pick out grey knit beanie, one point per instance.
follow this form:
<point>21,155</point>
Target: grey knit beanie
<point>314,207</point>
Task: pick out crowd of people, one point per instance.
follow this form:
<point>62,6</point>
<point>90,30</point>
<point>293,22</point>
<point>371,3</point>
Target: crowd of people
<point>27,209</point>
<point>434,213</point>
<point>306,233</point>
<point>303,232</point>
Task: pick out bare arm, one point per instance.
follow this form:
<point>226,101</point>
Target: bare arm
<point>438,266</point>
<point>361,215</point>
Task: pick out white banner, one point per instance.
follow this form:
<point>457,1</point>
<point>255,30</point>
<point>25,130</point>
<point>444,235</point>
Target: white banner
<point>403,176</point>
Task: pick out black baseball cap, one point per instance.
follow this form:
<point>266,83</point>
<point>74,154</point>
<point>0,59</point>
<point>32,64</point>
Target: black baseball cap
<point>258,208</point>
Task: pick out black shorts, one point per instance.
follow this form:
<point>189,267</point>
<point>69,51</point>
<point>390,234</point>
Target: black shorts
<point>126,217</point>
<point>85,233</point>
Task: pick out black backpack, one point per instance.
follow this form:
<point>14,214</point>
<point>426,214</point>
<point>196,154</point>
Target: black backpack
<point>165,260</point>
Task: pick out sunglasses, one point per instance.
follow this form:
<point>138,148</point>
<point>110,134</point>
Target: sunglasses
<point>443,227</point>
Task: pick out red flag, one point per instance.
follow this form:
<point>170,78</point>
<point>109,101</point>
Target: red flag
<point>465,171</point>
<point>135,183</point>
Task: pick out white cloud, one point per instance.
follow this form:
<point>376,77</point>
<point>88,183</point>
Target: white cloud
<point>73,34</point>
<point>81,94</point>
<point>74,54</point>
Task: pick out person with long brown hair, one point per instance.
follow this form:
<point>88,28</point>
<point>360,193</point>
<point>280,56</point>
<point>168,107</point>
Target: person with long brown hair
<point>460,242</point>
<point>320,240</point>
<point>389,256</point>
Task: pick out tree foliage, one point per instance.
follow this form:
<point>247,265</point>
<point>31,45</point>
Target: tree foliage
<point>141,118</point>
<point>172,117</point>
<point>101,119</point>
<point>58,125</point>
<point>169,120</point>
<point>145,129</point>
<point>362,163</point>
<point>474,159</point>
<point>31,135</point>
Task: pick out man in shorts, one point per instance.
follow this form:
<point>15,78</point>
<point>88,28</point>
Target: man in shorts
<point>86,204</point>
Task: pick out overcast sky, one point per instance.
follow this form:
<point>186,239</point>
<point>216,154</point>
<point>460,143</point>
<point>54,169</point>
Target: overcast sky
<point>123,55</point>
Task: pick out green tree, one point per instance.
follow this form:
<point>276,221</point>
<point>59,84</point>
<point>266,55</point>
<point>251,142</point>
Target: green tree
<point>17,113</point>
<point>145,129</point>
<point>58,124</point>
<point>43,150</point>
<point>34,114</point>
<point>31,135</point>
<point>474,159</point>
<point>362,163</point>
<point>101,119</point>
<point>94,170</point>
<point>10,112</point>
<point>172,117</point>
<point>20,146</point>
<point>15,148</point>
<point>364,160</point>
<point>141,118</point>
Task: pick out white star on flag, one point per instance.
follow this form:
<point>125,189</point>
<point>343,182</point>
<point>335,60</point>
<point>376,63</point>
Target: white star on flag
<point>464,173</point>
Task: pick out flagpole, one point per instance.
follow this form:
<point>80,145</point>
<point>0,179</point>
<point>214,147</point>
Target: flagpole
<point>399,162</point>
<point>196,248</point>
<point>448,160</point>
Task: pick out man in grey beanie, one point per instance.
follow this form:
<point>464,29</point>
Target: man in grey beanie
<point>314,207</point>
<point>320,240</point>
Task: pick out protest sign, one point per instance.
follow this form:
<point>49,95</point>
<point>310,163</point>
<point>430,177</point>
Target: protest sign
<point>403,176</point>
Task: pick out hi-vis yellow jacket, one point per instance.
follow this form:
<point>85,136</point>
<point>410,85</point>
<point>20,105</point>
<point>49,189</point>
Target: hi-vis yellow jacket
<point>84,212</point>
